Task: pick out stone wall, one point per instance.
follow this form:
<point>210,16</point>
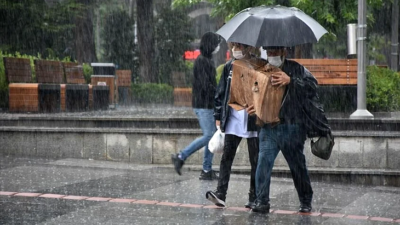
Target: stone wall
<point>353,150</point>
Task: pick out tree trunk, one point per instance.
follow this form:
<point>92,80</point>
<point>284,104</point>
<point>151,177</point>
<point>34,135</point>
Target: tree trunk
<point>84,35</point>
<point>145,31</point>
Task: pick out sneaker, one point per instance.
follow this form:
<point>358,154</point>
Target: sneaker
<point>252,198</point>
<point>178,163</point>
<point>215,175</point>
<point>305,208</point>
<point>217,198</point>
<point>210,175</point>
<point>261,208</point>
<point>206,175</point>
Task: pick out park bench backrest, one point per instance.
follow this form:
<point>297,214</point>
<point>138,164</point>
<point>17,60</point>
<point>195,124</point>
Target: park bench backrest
<point>49,72</point>
<point>18,70</point>
<point>73,73</point>
<point>332,71</point>
<point>123,78</point>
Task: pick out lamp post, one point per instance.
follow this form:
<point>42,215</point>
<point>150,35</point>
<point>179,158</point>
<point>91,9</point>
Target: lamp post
<point>361,112</point>
<point>395,34</point>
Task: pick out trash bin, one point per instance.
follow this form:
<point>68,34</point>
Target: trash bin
<point>100,97</point>
<point>49,98</point>
<point>77,97</point>
<point>103,68</point>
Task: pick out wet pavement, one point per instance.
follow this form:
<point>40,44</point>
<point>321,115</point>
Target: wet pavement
<point>78,191</point>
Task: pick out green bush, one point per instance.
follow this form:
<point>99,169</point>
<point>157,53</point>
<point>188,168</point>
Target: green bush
<point>220,69</point>
<point>87,72</point>
<point>189,73</point>
<point>383,89</point>
<point>146,93</point>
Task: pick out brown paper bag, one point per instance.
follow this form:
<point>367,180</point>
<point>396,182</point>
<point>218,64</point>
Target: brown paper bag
<point>251,85</point>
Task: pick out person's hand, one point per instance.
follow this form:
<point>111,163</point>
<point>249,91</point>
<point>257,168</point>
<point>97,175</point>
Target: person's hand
<point>251,110</point>
<point>217,123</point>
<point>280,78</point>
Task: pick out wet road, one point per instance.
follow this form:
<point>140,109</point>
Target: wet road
<point>76,191</point>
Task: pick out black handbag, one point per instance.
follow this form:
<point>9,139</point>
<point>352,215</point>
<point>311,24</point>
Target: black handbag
<point>322,148</point>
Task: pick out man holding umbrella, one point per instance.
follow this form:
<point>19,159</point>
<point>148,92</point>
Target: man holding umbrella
<point>300,114</point>
<point>289,135</point>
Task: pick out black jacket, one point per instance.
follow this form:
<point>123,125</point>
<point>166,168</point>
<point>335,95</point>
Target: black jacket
<point>221,109</point>
<point>300,103</point>
<point>204,83</point>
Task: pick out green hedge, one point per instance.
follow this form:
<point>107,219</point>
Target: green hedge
<point>152,93</point>
<point>383,90</point>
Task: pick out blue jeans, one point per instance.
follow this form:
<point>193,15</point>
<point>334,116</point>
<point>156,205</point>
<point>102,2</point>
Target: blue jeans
<point>289,138</point>
<point>207,124</point>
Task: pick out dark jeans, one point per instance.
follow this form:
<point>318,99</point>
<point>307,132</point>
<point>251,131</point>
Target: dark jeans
<point>289,138</point>
<point>231,144</point>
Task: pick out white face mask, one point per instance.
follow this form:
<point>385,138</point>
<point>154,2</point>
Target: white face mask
<point>275,60</point>
<point>237,54</point>
<point>216,50</point>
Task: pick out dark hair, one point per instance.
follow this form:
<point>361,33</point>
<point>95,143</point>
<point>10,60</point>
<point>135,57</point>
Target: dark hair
<point>237,43</point>
<point>273,47</point>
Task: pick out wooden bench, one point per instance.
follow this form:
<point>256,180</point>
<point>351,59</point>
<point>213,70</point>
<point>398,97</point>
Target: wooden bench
<point>50,76</point>
<point>75,93</point>
<point>183,97</point>
<point>23,94</point>
<point>337,79</point>
<point>332,71</point>
<point>123,86</point>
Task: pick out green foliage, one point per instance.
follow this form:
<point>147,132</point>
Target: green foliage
<point>87,72</point>
<point>173,36</point>
<point>118,44</point>
<point>31,26</point>
<point>189,73</point>
<point>383,89</point>
<point>375,47</point>
<point>220,69</point>
<point>146,93</point>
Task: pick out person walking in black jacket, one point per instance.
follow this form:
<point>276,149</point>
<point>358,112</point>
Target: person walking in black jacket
<point>290,134</point>
<point>236,125</point>
<point>203,91</point>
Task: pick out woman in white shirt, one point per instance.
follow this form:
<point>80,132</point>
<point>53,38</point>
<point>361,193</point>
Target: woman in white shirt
<point>236,124</point>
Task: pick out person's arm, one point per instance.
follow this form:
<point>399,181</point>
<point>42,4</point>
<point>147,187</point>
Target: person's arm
<point>220,92</point>
<point>303,82</point>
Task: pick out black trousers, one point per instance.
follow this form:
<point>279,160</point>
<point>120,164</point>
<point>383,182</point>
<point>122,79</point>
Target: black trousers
<point>231,144</point>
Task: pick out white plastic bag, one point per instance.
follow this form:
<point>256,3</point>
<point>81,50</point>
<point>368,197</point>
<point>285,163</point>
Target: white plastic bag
<point>216,144</point>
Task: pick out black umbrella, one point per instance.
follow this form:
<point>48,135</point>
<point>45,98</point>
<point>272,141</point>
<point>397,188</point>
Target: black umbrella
<point>272,26</point>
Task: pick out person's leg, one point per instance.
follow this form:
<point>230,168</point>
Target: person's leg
<point>207,125</point>
<point>266,157</point>
<point>293,151</point>
<point>253,149</point>
<point>230,146</point>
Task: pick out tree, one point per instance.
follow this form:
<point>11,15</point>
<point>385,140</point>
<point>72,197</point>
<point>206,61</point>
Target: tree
<point>32,27</point>
<point>145,37</point>
<point>118,40</point>
<point>84,33</point>
<point>171,44</point>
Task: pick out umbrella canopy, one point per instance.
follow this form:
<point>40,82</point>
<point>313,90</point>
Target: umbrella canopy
<point>272,26</point>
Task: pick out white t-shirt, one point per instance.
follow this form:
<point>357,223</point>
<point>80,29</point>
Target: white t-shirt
<point>237,124</point>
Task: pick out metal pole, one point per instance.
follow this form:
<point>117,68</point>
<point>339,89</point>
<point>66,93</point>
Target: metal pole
<point>395,35</point>
<point>361,112</point>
